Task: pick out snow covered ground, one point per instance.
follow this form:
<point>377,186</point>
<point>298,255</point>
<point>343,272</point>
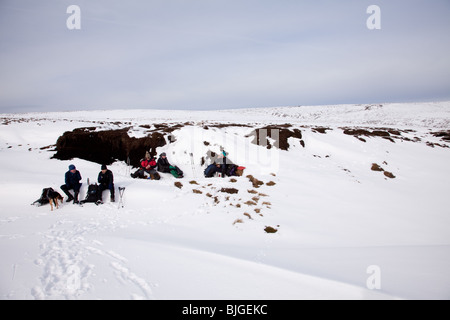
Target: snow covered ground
<point>337,220</point>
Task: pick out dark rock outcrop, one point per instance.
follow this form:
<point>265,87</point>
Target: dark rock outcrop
<point>105,147</point>
<point>280,134</point>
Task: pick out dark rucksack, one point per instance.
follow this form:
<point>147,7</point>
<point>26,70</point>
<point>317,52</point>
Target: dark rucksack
<point>92,194</point>
<point>44,197</point>
<point>231,170</point>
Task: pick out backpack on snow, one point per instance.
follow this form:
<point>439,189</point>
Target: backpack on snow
<point>92,194</point>
<point>44,197</point>
<point>231,170</point>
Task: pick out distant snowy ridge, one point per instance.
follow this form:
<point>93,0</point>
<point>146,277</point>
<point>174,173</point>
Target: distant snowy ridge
<point>430,115</point>
<point>399,115</point>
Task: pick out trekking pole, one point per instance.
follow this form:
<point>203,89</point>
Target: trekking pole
<point>192,164</point>
<point>121,192</point>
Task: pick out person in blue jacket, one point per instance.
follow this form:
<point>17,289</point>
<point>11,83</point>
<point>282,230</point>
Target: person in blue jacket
<point>72,179</point>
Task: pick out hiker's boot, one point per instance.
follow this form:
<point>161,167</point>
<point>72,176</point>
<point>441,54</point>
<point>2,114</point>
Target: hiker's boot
<point>113,199</point>
<point>99,201</point>
<point>69,195</point>
<point>75,199</point>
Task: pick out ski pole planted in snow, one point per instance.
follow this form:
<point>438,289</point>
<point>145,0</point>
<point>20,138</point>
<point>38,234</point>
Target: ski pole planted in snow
<point>192,164</point>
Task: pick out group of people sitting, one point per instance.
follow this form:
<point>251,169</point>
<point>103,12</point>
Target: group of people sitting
<point>72,182</point>
<point>150,167</point>
<point>148,170</point>
<point>221,166</point>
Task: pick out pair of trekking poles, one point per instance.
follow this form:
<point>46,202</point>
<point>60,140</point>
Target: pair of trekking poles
<point>121,192</point>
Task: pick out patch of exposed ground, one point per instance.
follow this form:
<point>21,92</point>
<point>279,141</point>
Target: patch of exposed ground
<point>276,136</point>
<point>376,167</point>
<point>231,197</point>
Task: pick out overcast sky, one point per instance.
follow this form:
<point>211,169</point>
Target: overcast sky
<point>217,54</point>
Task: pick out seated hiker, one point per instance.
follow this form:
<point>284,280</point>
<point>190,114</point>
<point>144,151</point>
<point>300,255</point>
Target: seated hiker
<point>106,181</point>
<point>211,170</point>
<point>72,179</point>
<point>148,165</point>
<point>165,166</point>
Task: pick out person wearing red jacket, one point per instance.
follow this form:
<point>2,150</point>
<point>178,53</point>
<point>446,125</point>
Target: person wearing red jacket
<point>148,165</point>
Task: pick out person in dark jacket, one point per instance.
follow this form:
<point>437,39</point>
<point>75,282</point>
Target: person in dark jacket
<point>223,160</point>
<point>72,179</point>
<point>165,166</point>
<point>106,181</point>
<point>163,163</point>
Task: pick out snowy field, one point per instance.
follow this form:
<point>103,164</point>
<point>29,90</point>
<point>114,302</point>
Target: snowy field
<point>343,231</point>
